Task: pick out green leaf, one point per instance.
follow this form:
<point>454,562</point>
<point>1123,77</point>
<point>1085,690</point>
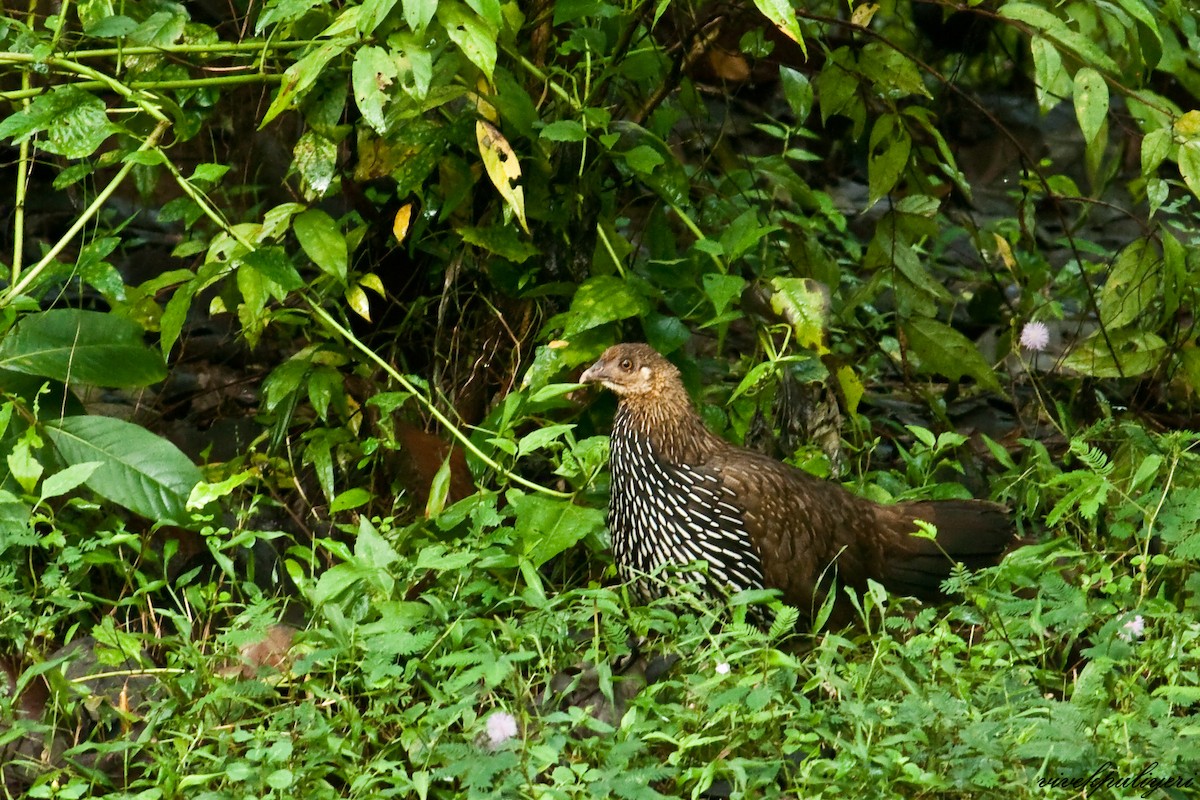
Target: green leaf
<point>322,242</point>
<point>539,438</point>
<point>419,13</point>
<point>945,351</point>
<point>548,526</point>
<point>1054,28</point>
<point>283,11</point>
<point>471,34</point>
<point>1133,353</point>
<point>886,165</point>
<point>273,263</point>
<point>83,346</point>
<point>76,122</point>
<point>502,240</point>
<point>1134,285</point>
<point>894,74</point>
<point>783,17</point>
<point>137,469</point>
<point>643,159</point>
<point>564,130</point>
<point>605,298</point>
<point>68,479</point>
<point>805,304</point>
<point>1091,102</point>
<point>373,12</point>
<point>798,92</point>
<point>160,29</point>
<point>315,158</point>
<point>300,77</point>
<point>373,72</point>
<point>1052,82</point>
<point>1189,165</point>
<point>723,289</point>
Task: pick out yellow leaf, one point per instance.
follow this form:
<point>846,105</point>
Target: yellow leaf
<point>356,298</point>
<point>783,17</point>
<point>371,281</point>
<point>502,167</point>
<point>485,109</point>
<point>852,388</point>
<point>863,14</point>
<point>402,222</point>
<point>1006,254</point>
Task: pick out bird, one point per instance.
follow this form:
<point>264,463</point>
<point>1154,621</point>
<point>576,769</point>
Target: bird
<point>680,495</point>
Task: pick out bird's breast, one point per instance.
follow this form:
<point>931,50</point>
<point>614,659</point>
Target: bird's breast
<point>663,513</point>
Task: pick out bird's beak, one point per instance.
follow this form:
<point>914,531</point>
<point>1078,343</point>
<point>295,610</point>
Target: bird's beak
<point>593,374</point>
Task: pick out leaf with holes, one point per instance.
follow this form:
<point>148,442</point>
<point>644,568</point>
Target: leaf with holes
<point>502,167</point>
<point>373,72</point>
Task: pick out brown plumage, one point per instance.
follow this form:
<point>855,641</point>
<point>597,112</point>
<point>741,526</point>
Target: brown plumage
<point>681,494</point>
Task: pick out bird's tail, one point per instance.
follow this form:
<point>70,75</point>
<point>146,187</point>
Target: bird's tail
<point>975,532</point>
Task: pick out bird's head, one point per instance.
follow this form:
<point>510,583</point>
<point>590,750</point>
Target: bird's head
<point>634,371</point>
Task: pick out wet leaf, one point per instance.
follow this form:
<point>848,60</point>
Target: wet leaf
<point>502,167</point>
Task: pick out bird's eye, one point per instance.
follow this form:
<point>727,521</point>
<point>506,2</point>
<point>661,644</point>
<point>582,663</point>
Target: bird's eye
<point>626,364</point>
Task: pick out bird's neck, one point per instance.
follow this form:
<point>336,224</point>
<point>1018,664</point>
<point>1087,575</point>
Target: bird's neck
<point>671,425</point>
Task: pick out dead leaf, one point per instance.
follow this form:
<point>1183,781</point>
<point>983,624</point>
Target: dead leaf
<point>502,167</point>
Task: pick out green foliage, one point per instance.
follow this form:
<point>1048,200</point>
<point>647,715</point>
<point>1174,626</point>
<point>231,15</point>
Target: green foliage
<point>434,212</point>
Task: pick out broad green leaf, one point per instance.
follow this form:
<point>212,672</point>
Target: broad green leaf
<point>563,130</point>
<point>547,526</point>
<point>804,303</point>
<point>643,159</point>
<point>502,167</point>
<point>75,122</point>
<point>798,92</point>
<point>1091,102</point>
<point>783,17</point>
<point>1133,353</point>
<point>471,34</point>
<point>1156,146</point>
<point>945,351</point>
<point>1056,29</point>
<point>884,167</point>
<point>743,233</point>
<point>1189,165</point>
<point>373,72</point>
<point>1052,82</point>
<point>894,74</point>
<point>419,13</point>
<point>502,240</point>
<point>82,346</point>
<point>138,470</point>
<point>605,298</point>
<point>1133,287</point>
<point>273,263</point>
<point>161,29</point>
<point>316,158</point>
<point>322,242</point>
<point>722,290</point>
<point>373,12</point>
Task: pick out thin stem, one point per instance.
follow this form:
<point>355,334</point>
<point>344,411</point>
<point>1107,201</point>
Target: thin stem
<point>442,419</point>
<point>141,86</point>
<point>20,286</point>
